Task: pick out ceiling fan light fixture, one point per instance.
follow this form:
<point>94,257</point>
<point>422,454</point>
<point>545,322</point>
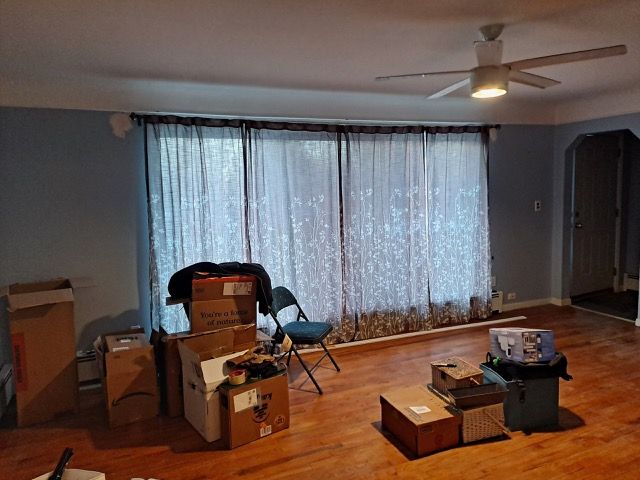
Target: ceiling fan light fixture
<point>489,81</point>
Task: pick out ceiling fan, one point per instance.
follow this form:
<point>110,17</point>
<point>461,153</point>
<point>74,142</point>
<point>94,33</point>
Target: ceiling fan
<point>491,77</point>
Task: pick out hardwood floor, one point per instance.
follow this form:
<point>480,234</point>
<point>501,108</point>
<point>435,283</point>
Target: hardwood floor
<point>338,435</point>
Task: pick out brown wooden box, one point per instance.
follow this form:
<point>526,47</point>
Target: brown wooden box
<point>462,375</point>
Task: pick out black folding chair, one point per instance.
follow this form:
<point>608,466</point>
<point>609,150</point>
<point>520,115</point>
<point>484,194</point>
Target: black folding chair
<point>301,331</point>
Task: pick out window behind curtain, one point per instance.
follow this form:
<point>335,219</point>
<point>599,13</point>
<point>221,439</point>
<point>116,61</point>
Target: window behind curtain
<point>385,230</point>
<point>377,233</point>
<point>294,216</point>
<point>196,206</point>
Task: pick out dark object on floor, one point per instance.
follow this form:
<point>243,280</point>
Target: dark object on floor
<point>533,390</point>
<point>618,304</point>
<point>301,331</point>
<point>180,282</point>
<point>62,464</point>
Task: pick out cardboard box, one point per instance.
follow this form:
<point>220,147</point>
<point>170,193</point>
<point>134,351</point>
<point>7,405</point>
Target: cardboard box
<point>243,338</point>
<point>204,368</point>
<point>41,324</point>
<point>75,474</point>
<point>522,344</point>
<point>221,302</point>
<point>216,288</point>
<point>128,373</point>
<point>420,420</point>
<point>254,409</point>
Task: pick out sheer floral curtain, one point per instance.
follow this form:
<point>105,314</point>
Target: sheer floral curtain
<point>196,205</point>
<point>458,228</point>
<point>385,234</point>
<point>376,230</point>
<point>294,212</point>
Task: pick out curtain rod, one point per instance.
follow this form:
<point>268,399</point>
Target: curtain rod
<point>307,125</point>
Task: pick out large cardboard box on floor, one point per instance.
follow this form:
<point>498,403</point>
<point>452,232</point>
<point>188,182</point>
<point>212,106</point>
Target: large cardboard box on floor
<point>128,372</point>
<point>41,324</point>
<point>254,410</point>
<point>420,420</point>
<point>243,338</point>
<point>204,368</point>
<point>220,302</point>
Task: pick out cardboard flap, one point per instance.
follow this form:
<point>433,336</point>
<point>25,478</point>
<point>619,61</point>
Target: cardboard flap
<point>205,375</point>
<point>18,301</point>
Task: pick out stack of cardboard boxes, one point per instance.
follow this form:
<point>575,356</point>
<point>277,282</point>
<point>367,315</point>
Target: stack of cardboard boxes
<point>222,312</point>
<point>193,368</point>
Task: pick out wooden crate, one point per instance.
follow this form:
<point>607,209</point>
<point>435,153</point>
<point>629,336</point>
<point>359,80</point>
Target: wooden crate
<point>463,374</point>
<point>483,422</point>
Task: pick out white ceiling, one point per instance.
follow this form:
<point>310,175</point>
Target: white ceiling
<point>312,58</point>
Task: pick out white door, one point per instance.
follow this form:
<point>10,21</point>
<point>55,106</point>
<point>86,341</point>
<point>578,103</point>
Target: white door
<point>594,214</point>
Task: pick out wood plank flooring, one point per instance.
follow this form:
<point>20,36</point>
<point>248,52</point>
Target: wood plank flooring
<point>338,435</point>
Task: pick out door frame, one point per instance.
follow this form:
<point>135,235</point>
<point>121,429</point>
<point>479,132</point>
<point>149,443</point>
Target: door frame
<point>616,278</point>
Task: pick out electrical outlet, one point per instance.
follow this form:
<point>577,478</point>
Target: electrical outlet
<point>537,205</point>
<point>511,296</point>
<point>493,281</point>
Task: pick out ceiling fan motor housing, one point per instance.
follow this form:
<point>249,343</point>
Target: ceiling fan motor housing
<point>489,77</point>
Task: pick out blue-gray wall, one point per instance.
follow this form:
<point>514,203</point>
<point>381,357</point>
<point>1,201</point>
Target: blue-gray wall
<point>520,169</point>
<point>74,205</point>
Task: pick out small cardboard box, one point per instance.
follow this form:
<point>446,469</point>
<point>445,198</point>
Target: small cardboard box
<point>522,344</point>
<point>220,302</point>
<point>128,373</point>
<point>254,410</point>
<point>420,420</point>
<point>243,338</point>
<point>41,324</point>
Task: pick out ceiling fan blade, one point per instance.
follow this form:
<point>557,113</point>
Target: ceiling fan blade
<point>488,52</point>
<point>568,57</point>
<point>531,79</point>
<point>426,74</point>
<point>449,89</point>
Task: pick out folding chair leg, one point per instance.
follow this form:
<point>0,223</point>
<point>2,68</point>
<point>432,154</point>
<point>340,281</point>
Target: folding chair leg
<point>306,369</point>
<point>288,357</point>
<point>330,357</point>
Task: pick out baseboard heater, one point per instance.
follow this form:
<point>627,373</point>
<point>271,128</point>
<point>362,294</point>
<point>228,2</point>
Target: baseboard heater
<point>630,282</point>
<point>496,301</point>
<point>87,367</point>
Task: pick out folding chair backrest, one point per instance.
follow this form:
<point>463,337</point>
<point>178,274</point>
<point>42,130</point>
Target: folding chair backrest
<point>282,298</point>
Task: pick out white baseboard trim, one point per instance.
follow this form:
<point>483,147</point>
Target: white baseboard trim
<point>607,315</point>
<point>560,302</point>
<point>526,304</point>
<point>638,322</point>
<point>416,334</point>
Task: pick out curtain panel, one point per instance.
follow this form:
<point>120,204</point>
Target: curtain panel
<point>378,231</point>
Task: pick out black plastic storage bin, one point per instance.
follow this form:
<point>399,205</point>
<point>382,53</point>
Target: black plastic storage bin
<point>532,391</point>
